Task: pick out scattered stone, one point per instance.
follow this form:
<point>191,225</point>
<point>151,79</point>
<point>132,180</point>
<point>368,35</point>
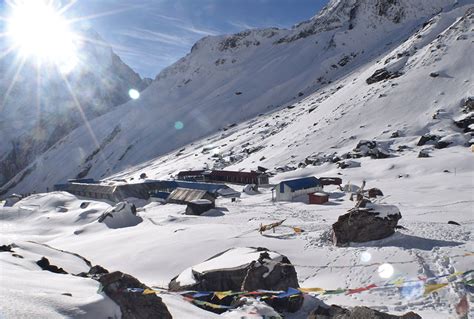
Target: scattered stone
<point>424,153</point>
<point>84,205</point>
<point>336,312</point>
<point>366,223</point>
<point>45,265</point>
<point>434,74</point>
<point>133,305</point>
<point>238,93</point>
<point>374,192</point>
<point>143,176</point>
<point>453,223</point>
<point>67,294</point>
<point>395,134</point>
<point>347,164</point>
<point>382,74</point>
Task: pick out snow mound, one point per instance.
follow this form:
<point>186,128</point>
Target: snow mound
<point>120,216</point>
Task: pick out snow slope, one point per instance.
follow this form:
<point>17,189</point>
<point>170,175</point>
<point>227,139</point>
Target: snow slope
<point>228,79</point>
<point>39,106</point>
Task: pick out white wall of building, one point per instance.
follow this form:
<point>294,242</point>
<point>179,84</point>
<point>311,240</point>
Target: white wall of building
<point>288,195</point>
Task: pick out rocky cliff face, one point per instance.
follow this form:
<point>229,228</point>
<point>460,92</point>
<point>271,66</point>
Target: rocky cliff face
<point>42,105</point>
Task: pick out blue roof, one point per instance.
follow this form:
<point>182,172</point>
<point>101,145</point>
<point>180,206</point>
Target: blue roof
<point>300,183</point>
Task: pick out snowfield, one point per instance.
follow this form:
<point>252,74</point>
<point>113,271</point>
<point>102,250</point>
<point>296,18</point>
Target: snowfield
<point>168,242</point>
<point>300,104</point>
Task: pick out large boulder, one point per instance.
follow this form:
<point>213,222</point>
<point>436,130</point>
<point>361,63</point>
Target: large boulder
<point>243,269</point>
<point>239,269</point>
<point>336,312</point>
<point>133,305</point>
<point>363,224</point>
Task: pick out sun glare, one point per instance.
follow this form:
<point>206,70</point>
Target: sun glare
<point>37,29</point>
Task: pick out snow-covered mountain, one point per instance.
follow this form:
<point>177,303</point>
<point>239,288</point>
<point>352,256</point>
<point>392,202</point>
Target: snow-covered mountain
<point>318,70</point>
<point>38,109</point>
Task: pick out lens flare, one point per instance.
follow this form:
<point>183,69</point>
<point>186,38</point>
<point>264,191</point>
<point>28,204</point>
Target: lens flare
<point>134,94</point>
<point>365,257</point>
<point>385,271</point>
<point>37,29</point>
<point>178,125</point>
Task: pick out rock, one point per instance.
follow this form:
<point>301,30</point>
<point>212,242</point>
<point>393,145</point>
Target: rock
<point>424,153</point>
<point>370,148</point>
<point>133,305</point>
<point>427,138</point>
<point>94,272</point>
<point>434,74</point>
<point>395,134</point>
<point>336,312</point>
<point>374,192</point>
<point>453,223</point>
<point>143,176</point>
<point>6,248</point>
<point>468,105</point>
<point>45,265</point>
<point>465,122</point>
<point>347,164</point>
<point>246,274</point>
<point>245,269</point>
<point>372,222</point>
<point>382,74</point>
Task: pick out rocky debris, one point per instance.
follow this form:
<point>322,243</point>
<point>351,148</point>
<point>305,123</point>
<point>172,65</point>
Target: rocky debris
<point>45,265</point>
<point>468,105</point>
<point>264,270</point>
<point>6,248</point>
<point>465,122</point>
<point>382,74</point>
<point>133,305</point>
<point>347,164</point>
<point>365,223</point>
<point>336,312</point>
<point>94,272</point>
<point>428,138</point>
<point>320,159</point>
<point>374,192</point>
<point>395,134</point>
<point>424,153</point>
<point>370,148</point>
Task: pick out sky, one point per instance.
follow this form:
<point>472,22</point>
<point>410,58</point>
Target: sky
<point>150,35</point>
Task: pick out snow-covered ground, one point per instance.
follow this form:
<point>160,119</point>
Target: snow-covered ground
<point>167,242</point>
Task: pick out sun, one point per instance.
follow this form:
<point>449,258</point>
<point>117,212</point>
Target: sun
<point>37,28</point>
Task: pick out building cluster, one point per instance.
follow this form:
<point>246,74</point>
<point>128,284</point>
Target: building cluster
<point>199,189</point>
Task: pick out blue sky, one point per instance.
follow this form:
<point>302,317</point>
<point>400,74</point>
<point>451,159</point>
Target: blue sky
<point>152,34</point>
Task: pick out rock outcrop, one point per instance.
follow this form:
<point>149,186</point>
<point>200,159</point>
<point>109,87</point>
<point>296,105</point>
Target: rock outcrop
<point>133,305</point>
<point>243,269</point>
<point>363,224</point>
